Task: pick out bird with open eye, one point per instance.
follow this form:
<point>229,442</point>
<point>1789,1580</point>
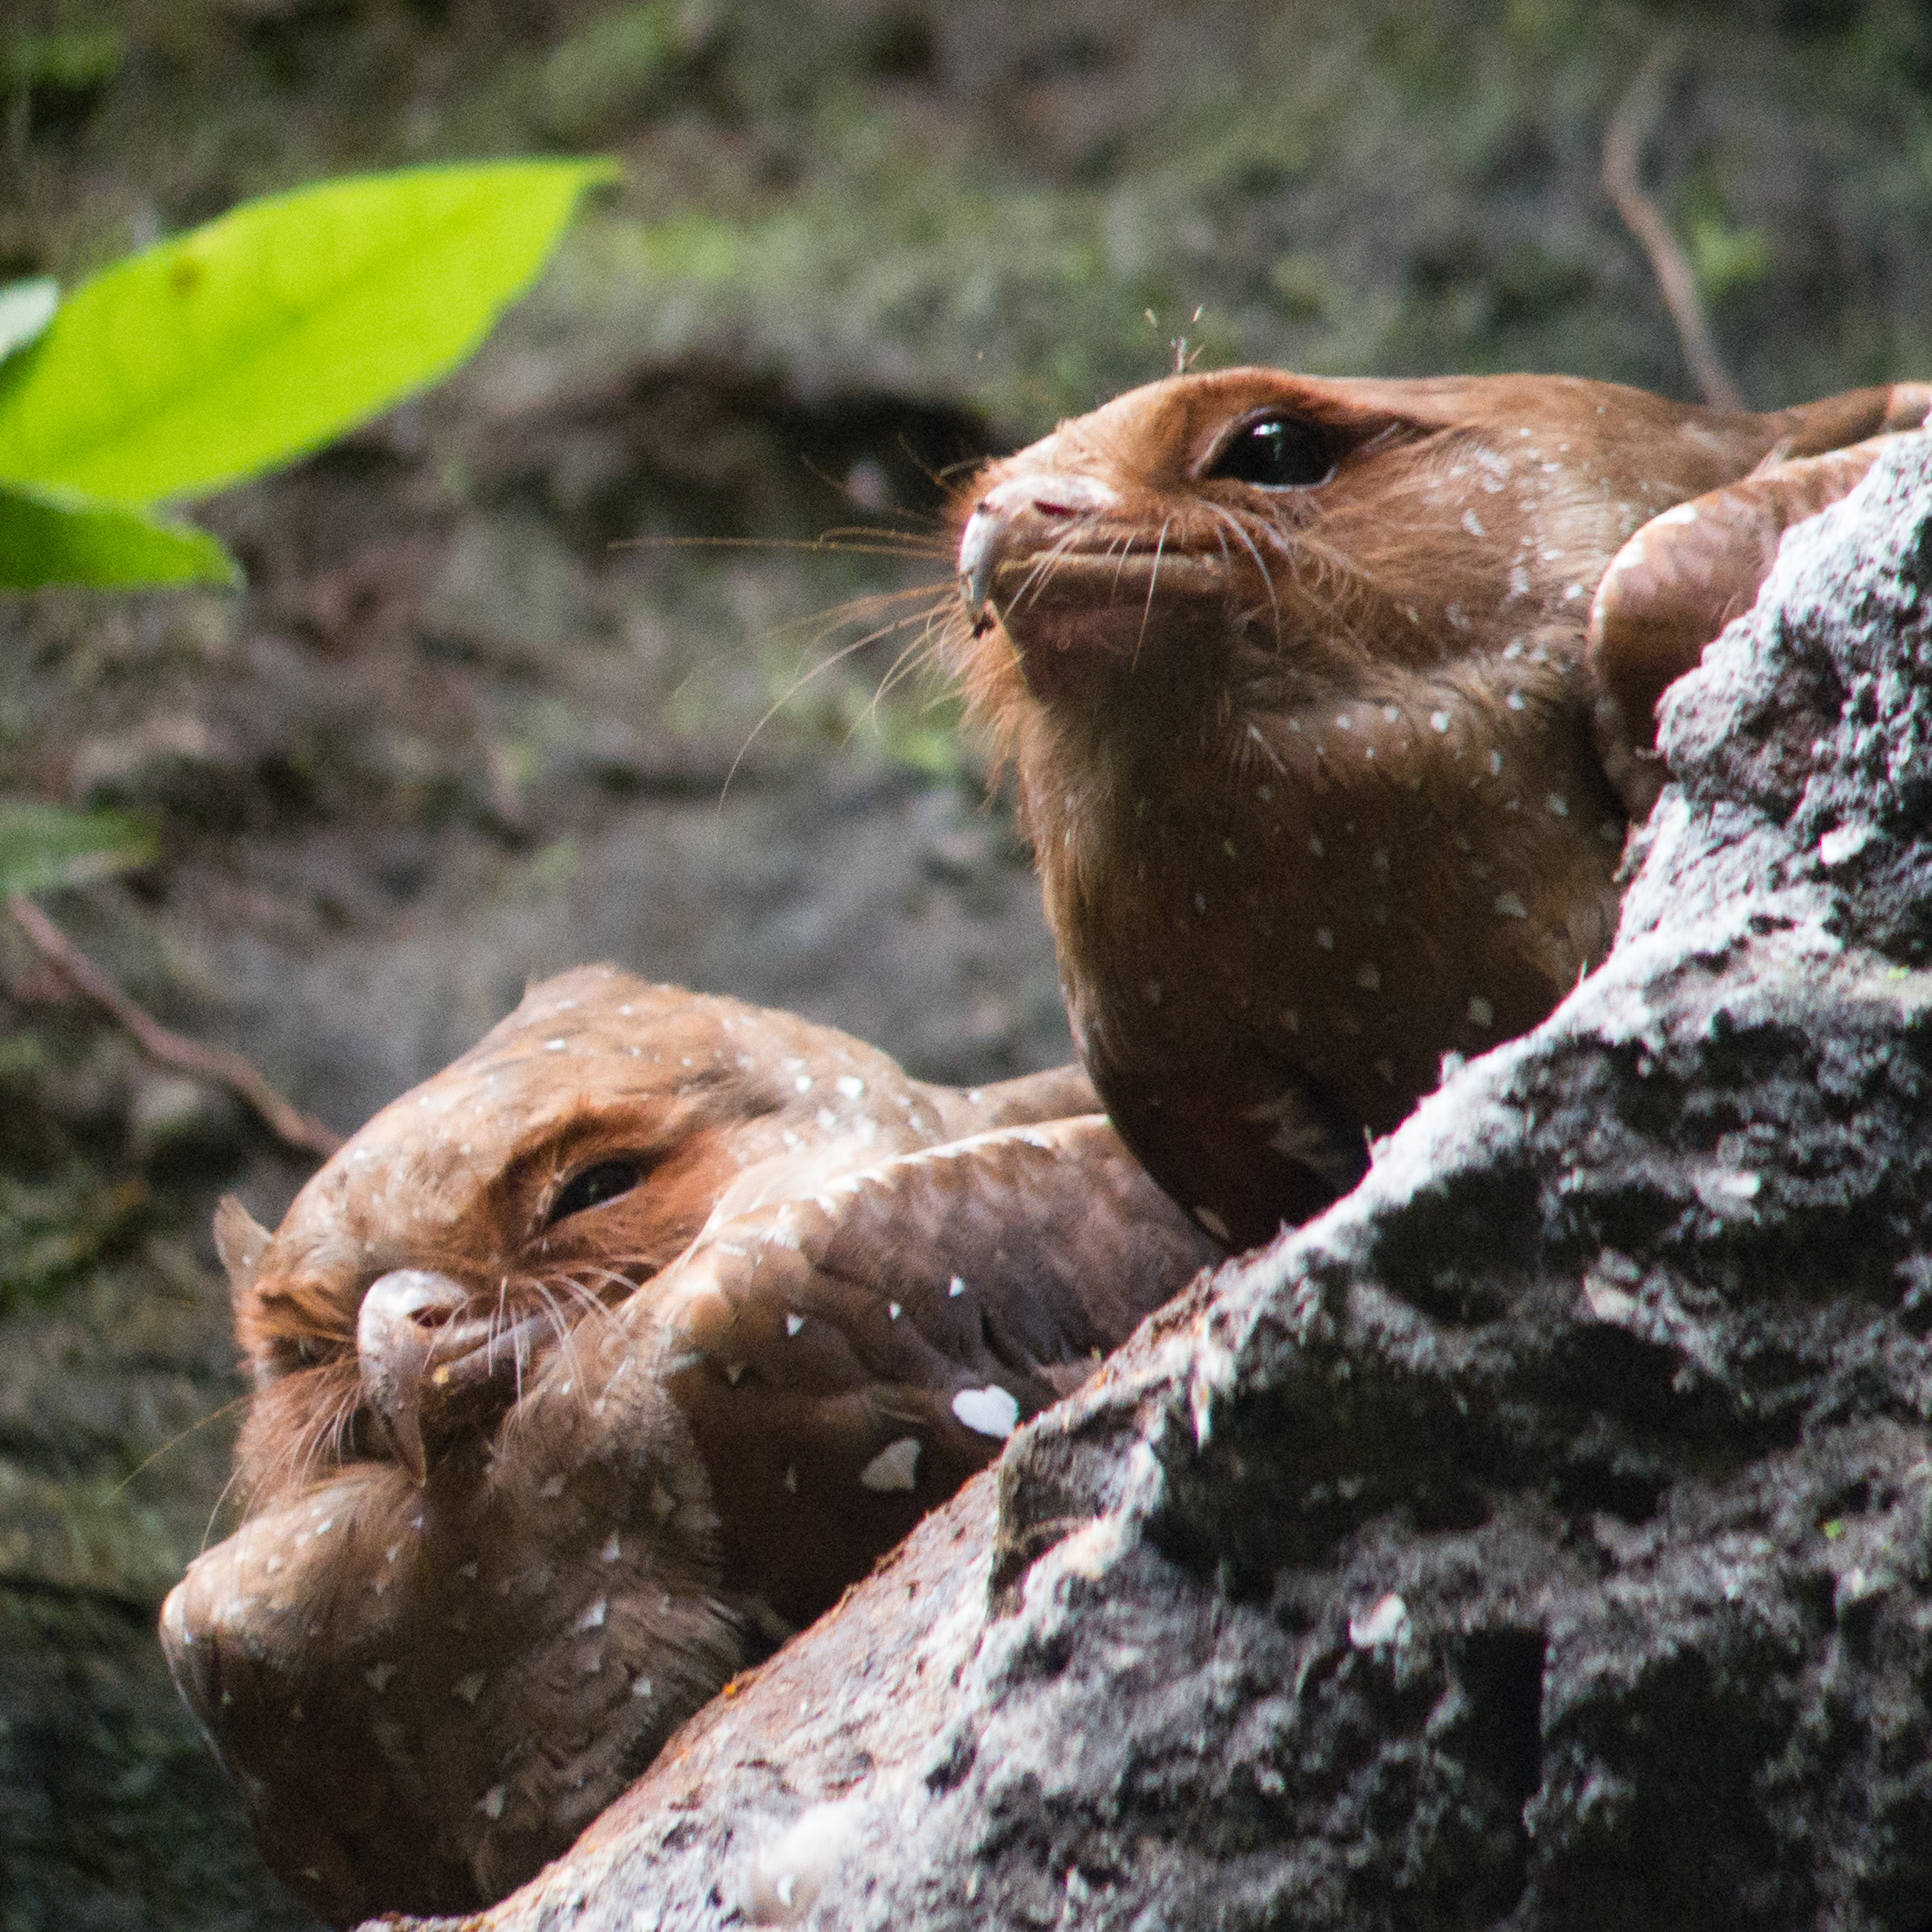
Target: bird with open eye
<point>1331,704</point>
<point>589,1369</point>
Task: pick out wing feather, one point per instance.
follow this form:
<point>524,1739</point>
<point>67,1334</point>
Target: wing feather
<point>848,1358</point>
<point>1675,585</point>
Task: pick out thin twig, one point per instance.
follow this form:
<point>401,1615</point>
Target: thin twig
<point>220,1063</point>
<point>1630,129</point>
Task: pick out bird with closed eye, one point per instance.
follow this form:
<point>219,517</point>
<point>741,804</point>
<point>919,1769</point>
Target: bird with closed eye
<point>587,1371</point>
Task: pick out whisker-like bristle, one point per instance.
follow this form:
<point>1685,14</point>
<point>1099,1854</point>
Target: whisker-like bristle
<point>562,1330</point>
<point>1153,578</point>
<point>1227,520</point>
<point>824,664</point>
<point>215,1510</point>
<point>845,540</point>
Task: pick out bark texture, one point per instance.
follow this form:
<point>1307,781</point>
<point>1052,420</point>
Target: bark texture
<point>1543,1537</point>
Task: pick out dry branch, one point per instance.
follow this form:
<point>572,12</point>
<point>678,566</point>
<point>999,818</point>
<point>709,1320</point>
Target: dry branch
<point>1630,129</point>
<point>220,1063</point>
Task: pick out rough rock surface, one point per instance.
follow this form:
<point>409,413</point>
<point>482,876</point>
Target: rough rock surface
<point>1543,1537</point>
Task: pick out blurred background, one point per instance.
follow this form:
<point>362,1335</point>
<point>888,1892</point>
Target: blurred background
<point>549,666</point>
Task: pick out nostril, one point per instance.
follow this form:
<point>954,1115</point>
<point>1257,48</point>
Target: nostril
<point>1048,508</point>
<point>413,1295</point>
<point>397,1330</point>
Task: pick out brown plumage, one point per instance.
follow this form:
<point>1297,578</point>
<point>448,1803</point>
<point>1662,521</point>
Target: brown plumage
<point>589,1368</point>
<point>1326,765</point>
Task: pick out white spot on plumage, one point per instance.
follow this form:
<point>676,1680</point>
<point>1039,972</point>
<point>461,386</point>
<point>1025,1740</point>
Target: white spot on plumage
<point>895,1466</point>
<point>491,1804</point>
<point>989,1411</point>
<point>1509,905</point>
<point>593,1619</point>
<point>612,1551</point>
<point>1324,938</point>
<point>956,1287</point>
<point>468,1689</point>
<point>793,1324</point>
<point>1214,1222</point>
<point>1481,1012</point>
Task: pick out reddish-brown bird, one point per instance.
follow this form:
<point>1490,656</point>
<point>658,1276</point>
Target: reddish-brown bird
<point>590,1368</point>
<point>1326,760</point>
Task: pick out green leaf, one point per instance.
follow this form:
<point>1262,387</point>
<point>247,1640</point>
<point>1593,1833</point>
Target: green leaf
<point>25,310</point>
<point>213,356</point>
<point>44,845</point>
<point>60,537</point>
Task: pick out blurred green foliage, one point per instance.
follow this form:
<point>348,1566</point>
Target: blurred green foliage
<point>54,1227</point>
<point>42,846</point>
<point>1349,189</point>
<point>76,62</point>
<point>621,66</point>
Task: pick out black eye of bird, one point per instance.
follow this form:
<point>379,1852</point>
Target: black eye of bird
<point>1276,453</point>
<point>595,1186</point>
